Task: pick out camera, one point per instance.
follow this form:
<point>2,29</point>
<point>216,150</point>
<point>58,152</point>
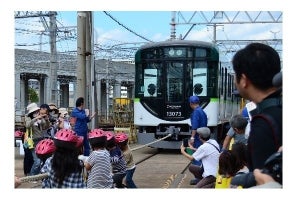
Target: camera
<point>185,142</point>
<point>273,167</point>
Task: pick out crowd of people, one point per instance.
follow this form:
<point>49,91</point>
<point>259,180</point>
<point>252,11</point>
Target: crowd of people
<point>60,148</point>
<point>256,134</point>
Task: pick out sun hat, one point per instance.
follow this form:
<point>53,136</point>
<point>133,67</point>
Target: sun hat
<point>204,132</point>
<point>32,107</point>
<point>63,111</point>
<point>194,99</point>
<point>52,107</point>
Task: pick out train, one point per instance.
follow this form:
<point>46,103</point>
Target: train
<point>167,73</point>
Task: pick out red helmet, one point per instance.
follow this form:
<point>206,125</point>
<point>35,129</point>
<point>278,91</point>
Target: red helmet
<point>121,137</point>
<point>65,137</point>
<point>19,133</point>
<point>95,133</point>
<point>45,147</point>
<point>109,135</point>
<point>97,137</point>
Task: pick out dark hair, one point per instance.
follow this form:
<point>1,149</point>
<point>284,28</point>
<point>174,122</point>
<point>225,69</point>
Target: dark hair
<point>79,101</point>
<point>45,106</point>
<point>239,149</point>
<point>98,142</point>
<point>123,145</point>
<point>239,122</point>
<point>227,163</point>
<point>259,63</point>
<point>65,161</point>
<point>111,143</point>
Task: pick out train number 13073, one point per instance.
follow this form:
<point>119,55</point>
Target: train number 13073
<point>173,114</point>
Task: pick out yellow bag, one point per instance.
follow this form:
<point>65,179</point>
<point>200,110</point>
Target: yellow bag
<point>222,182</point>
<point>28,141</point>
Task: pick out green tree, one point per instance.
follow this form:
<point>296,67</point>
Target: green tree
<point>33,95</point>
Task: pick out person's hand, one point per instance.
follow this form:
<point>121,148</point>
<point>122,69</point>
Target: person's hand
<point>262,178</point>
<point>182,148</point>
<point>93,115</point>
<point>17,182</point>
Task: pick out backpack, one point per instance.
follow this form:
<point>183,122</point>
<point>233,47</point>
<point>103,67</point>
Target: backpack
<point>269,118</point>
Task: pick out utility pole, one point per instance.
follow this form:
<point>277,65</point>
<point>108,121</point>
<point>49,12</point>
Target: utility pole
<point>53,58</point>
<point>81,45</point>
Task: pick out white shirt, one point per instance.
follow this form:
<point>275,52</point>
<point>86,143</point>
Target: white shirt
<point>209,156</point>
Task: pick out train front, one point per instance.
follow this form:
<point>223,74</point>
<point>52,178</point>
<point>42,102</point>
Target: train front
<point>167,74</point>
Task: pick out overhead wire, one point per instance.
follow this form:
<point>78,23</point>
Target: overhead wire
<point>126,27</point>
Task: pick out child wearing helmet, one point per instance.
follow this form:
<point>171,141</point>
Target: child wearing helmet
<point>117,160</point>
<point>64,168</point>
<point>45,149</point>
<point>98,162</point>
<point>122,141</point>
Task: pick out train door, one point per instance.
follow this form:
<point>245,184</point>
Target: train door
<point>175,94</point>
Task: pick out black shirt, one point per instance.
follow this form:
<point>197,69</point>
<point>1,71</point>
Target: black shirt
<point>263,140</point>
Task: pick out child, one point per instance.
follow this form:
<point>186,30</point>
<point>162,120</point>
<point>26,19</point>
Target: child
<point>63,119</point>
<point>232,163</point>
<point>116,159</point>
<point>122,141</point>
<point>45,149</point>
<point>63,168</point>
<point>98,162</point>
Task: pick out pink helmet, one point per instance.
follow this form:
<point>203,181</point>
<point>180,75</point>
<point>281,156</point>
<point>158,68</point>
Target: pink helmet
<point>19,133</point>
<point>121,137</point>
<point>45,147</point>
<point>109,135</point>
<point>95,133</point>
<point>67,137</point>
<point>97,137</point>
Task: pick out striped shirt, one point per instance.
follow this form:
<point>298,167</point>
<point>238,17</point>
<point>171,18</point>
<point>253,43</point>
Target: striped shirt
<point>100,175</point>
<point>117,161</point>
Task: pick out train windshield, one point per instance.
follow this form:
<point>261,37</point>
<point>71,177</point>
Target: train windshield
<point>174,81</point>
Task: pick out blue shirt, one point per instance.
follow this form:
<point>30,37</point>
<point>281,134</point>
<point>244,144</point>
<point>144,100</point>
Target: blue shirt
<point>198,118</point>
<point>81,127</point>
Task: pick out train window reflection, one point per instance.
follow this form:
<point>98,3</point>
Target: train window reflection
<point>200,79</point>
<point>150,82</point>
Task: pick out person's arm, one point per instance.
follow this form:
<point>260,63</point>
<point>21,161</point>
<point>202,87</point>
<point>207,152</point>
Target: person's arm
<point>87,166</point>
<point>226,142</point>
<point>262,178</point>
<point>182,148</point>
<point>93,115</point>
<point>192,139</point>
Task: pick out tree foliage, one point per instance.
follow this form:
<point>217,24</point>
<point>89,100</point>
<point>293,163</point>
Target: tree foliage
<point>33,95</point>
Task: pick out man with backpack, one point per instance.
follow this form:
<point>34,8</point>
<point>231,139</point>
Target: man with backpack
<point>254,67</point>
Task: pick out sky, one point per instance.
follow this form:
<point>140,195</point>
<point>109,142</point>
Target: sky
<point>151,25</point>
<point>290,62</point>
